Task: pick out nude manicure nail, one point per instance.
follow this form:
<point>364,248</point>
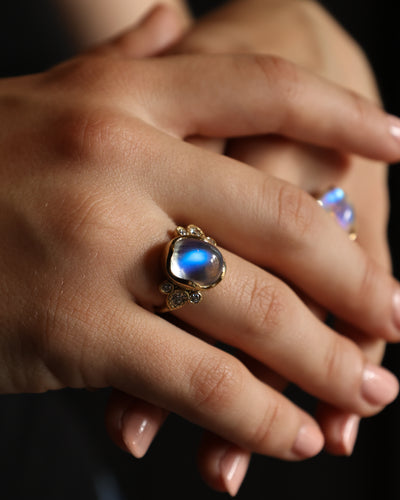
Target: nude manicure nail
<point>349,433</point>
<point>394,126</point>
<point>138,429</point>
<point>309,441</point>
<point>233,468</point>
<point>379,387</point>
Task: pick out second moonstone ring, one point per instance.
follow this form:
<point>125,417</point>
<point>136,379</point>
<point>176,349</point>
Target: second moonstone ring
<point>336,203</point>
<point>193,263</point>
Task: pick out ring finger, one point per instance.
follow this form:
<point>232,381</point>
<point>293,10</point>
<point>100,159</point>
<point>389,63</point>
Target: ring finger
<point>262,316</point>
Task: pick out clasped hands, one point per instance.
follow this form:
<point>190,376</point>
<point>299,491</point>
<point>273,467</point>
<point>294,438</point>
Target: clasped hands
<point>104,155</point>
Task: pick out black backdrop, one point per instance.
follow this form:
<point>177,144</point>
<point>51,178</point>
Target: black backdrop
<point>54,446</point>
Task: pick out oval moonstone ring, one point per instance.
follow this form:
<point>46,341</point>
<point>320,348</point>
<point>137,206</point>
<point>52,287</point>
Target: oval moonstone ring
<point>192,263</point>
<point>335,202</point>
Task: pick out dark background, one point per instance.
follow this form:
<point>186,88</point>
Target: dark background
<point>54,446</point>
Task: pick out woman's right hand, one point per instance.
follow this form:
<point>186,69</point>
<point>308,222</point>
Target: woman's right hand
<point>95,174</point>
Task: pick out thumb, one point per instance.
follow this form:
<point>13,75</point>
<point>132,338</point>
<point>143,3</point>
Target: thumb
<point>162,27</point>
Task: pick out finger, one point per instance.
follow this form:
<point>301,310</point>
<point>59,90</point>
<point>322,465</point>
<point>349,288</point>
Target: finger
<point>341,428</point>
<point>260,315</point>
<point>160,28</point>
<point>230,96</point>
<point>152,359</point>
<point>370,197</point>
<point>280,227</point>
<point>133,423</point>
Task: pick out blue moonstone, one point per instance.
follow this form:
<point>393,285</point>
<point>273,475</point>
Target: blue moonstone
<point>196,260</point>
<point>336,202</point>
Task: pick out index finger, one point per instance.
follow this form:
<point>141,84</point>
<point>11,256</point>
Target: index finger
<point>241,95</point>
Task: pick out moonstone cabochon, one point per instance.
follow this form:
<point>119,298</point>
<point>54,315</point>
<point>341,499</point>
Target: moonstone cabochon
<point>194,263</point>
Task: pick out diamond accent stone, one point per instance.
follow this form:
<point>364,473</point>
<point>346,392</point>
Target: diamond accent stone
<point>211,241</point>
<point>195,231</point>
<point>177,299</point>
<point>181,231</point>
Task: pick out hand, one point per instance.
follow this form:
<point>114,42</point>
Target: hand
<point>316,41</point>
<point>94,176</point>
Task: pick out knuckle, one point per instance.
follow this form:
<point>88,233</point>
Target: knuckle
<point>86,222</point>
<point>333,360</point>
<point>215,382</point>
<point>294,214</point>
<point>362,112</point>
<point>87,125</point>
<point>283,81</point>
<point>342,366</point>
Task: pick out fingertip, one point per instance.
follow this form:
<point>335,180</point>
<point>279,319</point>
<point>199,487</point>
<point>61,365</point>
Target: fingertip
<point>394,130</point>
<point>309,442</point>
<point>139,426</point>
<point>349,433</point>
<point>133,423</point>
<point>379,386</point>
<point>159,29</point>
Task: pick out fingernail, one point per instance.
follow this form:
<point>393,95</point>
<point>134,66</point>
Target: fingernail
<point>394,126</point>
<point>379,386</point>
<point>349,433</point>
<point>396,308</point>
<point>233,468</point>
<point>139,428</point>
<point>309,441</point>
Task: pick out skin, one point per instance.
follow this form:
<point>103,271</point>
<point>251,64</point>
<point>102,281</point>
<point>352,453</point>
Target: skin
<point>317,42</point>
<point>79,261</point>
